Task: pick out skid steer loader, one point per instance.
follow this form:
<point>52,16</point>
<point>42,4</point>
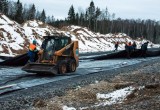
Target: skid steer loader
<point>59,55</point>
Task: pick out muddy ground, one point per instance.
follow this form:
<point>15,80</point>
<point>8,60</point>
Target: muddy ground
<point>147,98</point>
<point>81,91</point>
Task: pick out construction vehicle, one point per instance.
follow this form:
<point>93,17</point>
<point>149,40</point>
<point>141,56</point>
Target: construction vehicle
<point>59,55</point>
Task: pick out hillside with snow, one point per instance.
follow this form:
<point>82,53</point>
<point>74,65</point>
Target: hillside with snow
<point>92,42</point>
<point>15,38</point>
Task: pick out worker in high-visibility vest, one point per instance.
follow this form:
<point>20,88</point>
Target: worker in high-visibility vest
<point>32,51</point>
<point>129,49</point>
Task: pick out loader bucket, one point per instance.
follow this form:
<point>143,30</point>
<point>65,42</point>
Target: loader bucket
<point>40,68</point>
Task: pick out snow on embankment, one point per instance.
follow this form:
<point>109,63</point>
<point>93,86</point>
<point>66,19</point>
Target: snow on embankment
<point>11,36</point>
<point>93,42</point>
<point>34,29</point>
<point>15,39</point>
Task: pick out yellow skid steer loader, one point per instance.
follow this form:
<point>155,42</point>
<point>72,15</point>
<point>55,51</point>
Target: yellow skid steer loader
<point>59,55</point>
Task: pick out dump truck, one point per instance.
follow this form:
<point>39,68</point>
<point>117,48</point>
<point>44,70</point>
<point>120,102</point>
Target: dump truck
<point>59,55</point>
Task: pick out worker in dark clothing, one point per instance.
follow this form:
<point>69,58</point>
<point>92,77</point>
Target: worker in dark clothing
<point>144,49</point>
<point>116,46</point>
<point>32,53</point>
<point>134,45</point>
<point>128,48</point>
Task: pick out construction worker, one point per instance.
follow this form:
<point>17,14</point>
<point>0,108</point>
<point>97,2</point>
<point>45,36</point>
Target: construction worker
<point>116,46</point>
<point>32,53</point>
<point>134,46</point>
<point>144,49</point>
<point>128,48</point>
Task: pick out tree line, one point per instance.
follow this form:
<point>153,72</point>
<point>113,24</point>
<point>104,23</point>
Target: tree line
<point>104,22</point>
<point>96,19</point>
<point>21,13</point>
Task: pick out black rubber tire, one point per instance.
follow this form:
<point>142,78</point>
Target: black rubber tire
<point>62,67</point>
<point>71,66</point>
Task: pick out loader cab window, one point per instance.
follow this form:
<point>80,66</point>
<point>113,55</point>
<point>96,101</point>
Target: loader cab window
<point>48,47</point>
<point>50,44</point>
<point>60,43</point>
<point>64,42</point>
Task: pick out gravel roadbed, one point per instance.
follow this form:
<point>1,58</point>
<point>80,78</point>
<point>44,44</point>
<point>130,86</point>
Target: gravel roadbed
<point>23,99</point>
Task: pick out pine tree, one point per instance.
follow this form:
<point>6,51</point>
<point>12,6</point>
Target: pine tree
<point>97,14</point>
<point>48,20</point>
<point>82,19</point>
<point>113,16</point>
<point>43,16</point>
<point>71,15</point>
<point>32,12</point>
<point>38,15</point>
<point>18,16</point>
<point>86,19</point>
<point>52,19</point>
<point>25,13</point>
<point>77,19</point>
<point>91,15</point>
<point>91,10</point>
<point>4,6</point>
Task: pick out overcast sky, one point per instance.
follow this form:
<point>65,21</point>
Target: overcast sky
<point>143,9</point>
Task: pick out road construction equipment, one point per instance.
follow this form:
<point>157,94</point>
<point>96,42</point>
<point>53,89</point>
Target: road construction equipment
<point>59,55</point>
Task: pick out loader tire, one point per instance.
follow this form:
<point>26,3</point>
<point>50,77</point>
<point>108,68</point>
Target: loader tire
<point>62,68</point>
<point>71,67</point>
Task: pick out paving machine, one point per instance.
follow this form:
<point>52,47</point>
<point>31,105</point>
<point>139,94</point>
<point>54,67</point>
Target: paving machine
<point>59,55</point>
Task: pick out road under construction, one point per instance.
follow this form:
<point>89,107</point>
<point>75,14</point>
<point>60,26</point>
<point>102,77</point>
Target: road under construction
<point>13,78</point>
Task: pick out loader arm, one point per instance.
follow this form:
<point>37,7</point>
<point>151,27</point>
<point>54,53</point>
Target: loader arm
<point>75,51</point>
<point>60,52</point>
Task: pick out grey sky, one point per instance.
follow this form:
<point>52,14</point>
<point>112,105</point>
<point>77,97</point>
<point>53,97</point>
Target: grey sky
<point>144,9</point>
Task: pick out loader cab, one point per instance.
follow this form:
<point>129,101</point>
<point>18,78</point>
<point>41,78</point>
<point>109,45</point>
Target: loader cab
<point>52,44</point>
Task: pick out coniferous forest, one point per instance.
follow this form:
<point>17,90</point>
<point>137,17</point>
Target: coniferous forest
<point>96,19</point>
